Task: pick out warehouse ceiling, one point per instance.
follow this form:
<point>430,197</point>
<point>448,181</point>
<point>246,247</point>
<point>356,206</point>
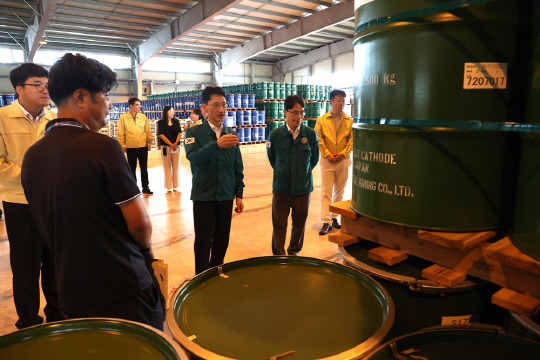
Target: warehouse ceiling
<point>232,30</point>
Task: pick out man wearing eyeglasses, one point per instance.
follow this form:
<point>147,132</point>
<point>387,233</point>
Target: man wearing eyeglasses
<point>336,144</point>
<point>135,136</point>
<point>21,124</point>
<point>217,182</point>
<point>293,153</point>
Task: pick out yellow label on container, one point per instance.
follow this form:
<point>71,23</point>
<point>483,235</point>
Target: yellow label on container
<point>485,76</point>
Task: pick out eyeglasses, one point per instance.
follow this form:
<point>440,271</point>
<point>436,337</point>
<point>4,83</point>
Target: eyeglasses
<point>39,87</point>
<point>300,113</point>
<point>219,105</point>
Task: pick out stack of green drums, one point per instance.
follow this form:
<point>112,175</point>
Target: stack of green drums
<point>438,83</point>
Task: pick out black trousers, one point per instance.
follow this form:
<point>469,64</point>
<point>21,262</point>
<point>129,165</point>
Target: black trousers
<point>29,255</point>
<point>141,154</point>
<point>212,220</point>
<point>281,207</point>
<point>145,307</point>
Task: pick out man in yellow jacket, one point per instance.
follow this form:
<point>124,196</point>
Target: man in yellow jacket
<point>21,124</point>
<point>335,143</point>
<point>134,134</point>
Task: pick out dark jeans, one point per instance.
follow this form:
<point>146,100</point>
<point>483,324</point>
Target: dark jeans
<point>212,220</point>
<point>145,307</point>
<point>141,154</point>
<point>29,255</point>
<point>281,207</point>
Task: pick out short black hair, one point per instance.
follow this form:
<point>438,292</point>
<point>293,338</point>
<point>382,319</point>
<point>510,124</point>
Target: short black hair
<point>211,90</point>
<point>293,99</point>
<point>133,100</point>
<point>20,74</point>
<point>72,72</point>
<point>337,92</point>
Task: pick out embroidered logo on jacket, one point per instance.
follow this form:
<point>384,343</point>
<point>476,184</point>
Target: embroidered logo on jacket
<point>304,140</point>
<point>190,140</point>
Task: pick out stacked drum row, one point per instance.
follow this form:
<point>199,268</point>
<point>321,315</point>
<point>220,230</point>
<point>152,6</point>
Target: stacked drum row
<point>6,100</point>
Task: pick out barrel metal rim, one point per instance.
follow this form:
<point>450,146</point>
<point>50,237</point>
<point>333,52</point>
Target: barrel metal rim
<point>414,284</point>
<point>141,331</point>
<point>526,322</point>
<point>349,354</point>
<point>472,125</point>
<point>472,329</point>
<point>416,13</point>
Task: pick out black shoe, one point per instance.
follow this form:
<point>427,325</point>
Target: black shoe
<point>147,190</point>
<point>335,224</point>
<point>325,229</point>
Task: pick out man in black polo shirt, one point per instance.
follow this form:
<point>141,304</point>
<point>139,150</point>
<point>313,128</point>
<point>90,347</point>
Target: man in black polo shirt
<point>86,203</point>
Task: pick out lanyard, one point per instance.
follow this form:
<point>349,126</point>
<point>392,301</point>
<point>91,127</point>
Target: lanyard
<point>63,124</point>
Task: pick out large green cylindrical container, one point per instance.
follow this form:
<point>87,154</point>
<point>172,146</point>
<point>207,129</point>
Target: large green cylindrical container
<point>444,60</point>
<point>431,178</point>
<point>282,91</point>
<point>269,306</point>
<point>525,233</point>
<point>453,343</point>
<point>89,339</point>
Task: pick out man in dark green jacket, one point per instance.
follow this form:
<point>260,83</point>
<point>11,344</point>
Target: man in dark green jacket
<point>217,169</point>
<point>293,151</point>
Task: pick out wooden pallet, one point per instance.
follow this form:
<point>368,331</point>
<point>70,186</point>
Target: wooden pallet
<point>470,253</point>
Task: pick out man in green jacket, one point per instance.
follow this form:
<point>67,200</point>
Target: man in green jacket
<point>218,174</point>
<point>293,151</point>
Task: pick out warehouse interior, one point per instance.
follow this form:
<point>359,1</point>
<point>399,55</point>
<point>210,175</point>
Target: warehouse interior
<point>165,52</point>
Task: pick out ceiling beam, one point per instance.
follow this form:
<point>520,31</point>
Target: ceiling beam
<point>242,24</point>
<point>283,5</point>
<point>199,14</point>
<point>305,26</point>
<point>175,8</point>
<point>82,20</point>
<point>104,16</point>
<point>311,57</point>
<point>36,31</point>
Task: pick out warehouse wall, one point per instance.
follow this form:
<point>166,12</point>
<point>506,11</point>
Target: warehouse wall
<point>159,82</point>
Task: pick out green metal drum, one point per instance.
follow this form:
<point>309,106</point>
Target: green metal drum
<point>273,109</point>
<point>281,107</point>
<point>270,126</point>
<point>277,90</point>
<point>288,87</point>
<point>270,90</point>
<point>421,303</point>
<point>463,344</point>
<point>89,339</point>
<point>525,232</point>
<point>432,178</point>
<point>264,307</point>
<point>444,60</point>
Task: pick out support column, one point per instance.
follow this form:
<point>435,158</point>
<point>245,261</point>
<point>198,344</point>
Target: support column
<point>217,71</point>
<point>136,86</point>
